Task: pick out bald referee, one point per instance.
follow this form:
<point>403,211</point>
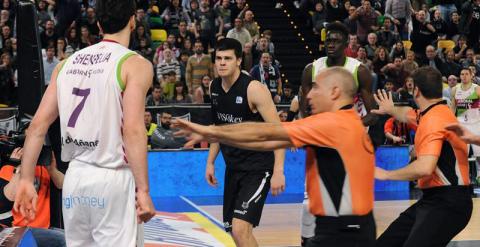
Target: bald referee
<point>340,190</point>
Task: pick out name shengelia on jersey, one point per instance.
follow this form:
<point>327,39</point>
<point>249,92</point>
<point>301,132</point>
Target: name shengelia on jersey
<point>91,145</point>
<point>91,59</point>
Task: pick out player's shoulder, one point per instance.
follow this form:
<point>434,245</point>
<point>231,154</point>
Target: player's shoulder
<point>137,63</point>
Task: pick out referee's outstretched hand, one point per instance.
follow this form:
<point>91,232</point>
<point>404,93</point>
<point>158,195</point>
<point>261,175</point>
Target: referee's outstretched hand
<point>194,133</point>
<point>26,200</point>
<point>384,101</point>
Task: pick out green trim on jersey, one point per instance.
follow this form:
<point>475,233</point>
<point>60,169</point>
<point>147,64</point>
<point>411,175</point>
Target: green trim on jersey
<point>354,73</point>
<point>120,82</point>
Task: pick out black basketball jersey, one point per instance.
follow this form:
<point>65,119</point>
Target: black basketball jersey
<point>232,107</point>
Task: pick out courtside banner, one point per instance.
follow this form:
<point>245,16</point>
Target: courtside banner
<point>184,229</point>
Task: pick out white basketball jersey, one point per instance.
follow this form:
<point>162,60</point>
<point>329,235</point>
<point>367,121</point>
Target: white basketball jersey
<point>89,93</point>
<point>351,65</point>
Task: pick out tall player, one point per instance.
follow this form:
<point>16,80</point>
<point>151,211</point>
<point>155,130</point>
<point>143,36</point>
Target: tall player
<point>237,98</point>
<point>335,43</point>
<point>99,94</point>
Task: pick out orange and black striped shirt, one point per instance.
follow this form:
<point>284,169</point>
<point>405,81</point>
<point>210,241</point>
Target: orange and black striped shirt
<point>340,162</point>
<point>432,139</point>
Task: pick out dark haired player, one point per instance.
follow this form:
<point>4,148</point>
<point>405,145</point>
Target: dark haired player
<point>99,93</point>
<point>237,98</point>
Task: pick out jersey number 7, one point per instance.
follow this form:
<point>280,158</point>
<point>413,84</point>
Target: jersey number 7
<point>74,117</point>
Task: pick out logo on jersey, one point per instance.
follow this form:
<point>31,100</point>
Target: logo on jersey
<point>239,100</point>
<point>228,118</point>
<point>245,205</point>
<point>214,94</point>
<point>80,143</point>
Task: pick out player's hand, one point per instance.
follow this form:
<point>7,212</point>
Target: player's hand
<point>144,205</point>
<point>17,154</point>
<point>26,200</point>
<point>277,183</point>
<point>463,133</point>
<point>381,174</point>
<point>210,175</point>
<point>195,133</point>
<point>384,101</point>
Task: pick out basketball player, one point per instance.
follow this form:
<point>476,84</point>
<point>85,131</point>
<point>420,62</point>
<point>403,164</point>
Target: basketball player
<point>340,190</point>
<point>441,168</point>
<point>466,106</point>
<point>335,44</point>
<point>99,94</point>
<point>237,98</point>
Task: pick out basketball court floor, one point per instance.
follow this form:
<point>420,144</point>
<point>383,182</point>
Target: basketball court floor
<point>197,221</point>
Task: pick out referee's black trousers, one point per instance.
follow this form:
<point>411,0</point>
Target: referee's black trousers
<point>433,221</point>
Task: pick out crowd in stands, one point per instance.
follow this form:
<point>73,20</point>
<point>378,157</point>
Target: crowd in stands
<point>391,37</point>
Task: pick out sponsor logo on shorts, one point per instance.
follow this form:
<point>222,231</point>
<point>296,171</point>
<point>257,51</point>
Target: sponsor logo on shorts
<point>242,212</point>
<point>71,201</point>
<point>245,205</point>
<point>226,225</point>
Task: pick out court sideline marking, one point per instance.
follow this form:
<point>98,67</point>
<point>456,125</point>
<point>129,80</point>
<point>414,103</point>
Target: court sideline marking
<point>205,213</point>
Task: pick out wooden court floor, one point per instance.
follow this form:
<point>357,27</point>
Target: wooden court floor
<point>280,224</point>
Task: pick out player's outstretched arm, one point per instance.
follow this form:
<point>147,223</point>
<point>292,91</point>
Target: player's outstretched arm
<point>137,73</point>
<point>423,166</point>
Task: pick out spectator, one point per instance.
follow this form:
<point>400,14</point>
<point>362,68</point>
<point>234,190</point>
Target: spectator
<point>260,47</point>
<point>423,34</point>
<point>389,88</point>
<point>202,94</point>
<point>141,20</point>
<point>362,57</point>
<point>48,36</point>
<point>42,13</point>
<point>183,64</point>
<point>470,21</point>
<point>187,47</point>
<point>371,46</point>
<point>180,94</point>
<point>86,39</point>
<point>397,133</point>
<point>206,26</point>
<point>156,97</point>
<point>168,85</point>
<point>168,64</point>
<point>49,63</point>
<point>433,60</point>
<point>395,73</point>
<point>352,48</point>
<point>183,34</point>
<point>335,11</point>
<point>145,50</point>
<point>446,8</point>
<point>398,50</point>
<point>409,64</point>
<point>453,26</point>
<point>240,33</point>
<point>67,11</point>
<point>451,67</point>
<point>379,61</point>
<point>287,95</point>
<point>198,65</point>
<point>6,80</point>
<point>452,83</point>
<point>405,93</point>
<point>150,127</point>
<point>90,21</point>
<point>469,55</point>
<point>269,75</point>
<point>224,12</point>
<point>72,39</point>
<point>163,136</point>
<point>247,57</point>
<point>400,12</point>
<point>283,115</point>
<point>238,9</point>
<point>366,21</point>
<point>351,21</point>
<point>251,25</point>
<point>475,77</point>
<point>439,24</point>
<point>268,35</point>
<point>194,14</point>
<point>140,33</point>
<point>387,37</point>
<point>172,16</point>
<point>60,49</point>
<point>460,48</point>
<point>319,17</point>
<point>6,34</point>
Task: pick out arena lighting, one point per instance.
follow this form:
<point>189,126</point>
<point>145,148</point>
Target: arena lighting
<point>284,11</point>
<point>294,27</point>
<point>288,15</point>
<point>299,34</point>
<point>303,39</point>
<point>291,22</point>
<point>306,47</point>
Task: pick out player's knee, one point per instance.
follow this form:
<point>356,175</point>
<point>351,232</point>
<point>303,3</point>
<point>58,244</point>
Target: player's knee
<point>241,229</point>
